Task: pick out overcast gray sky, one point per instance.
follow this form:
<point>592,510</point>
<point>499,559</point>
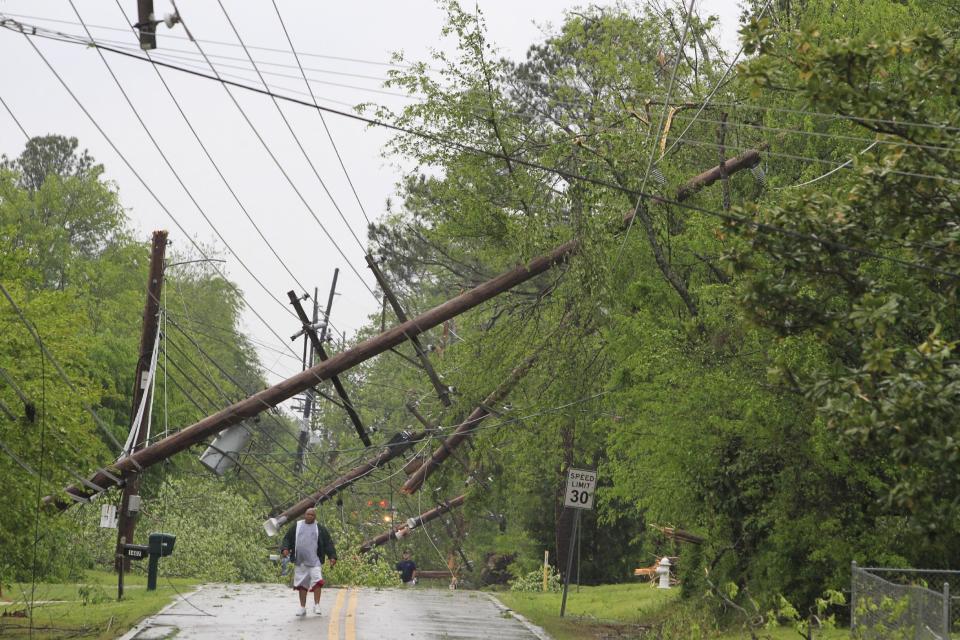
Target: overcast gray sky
<point>328,31</point>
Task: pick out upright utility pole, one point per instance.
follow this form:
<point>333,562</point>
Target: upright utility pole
<point>127,518</point>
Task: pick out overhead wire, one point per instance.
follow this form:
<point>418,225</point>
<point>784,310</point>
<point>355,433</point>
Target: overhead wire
<point>732,105</point>
<point>226,84</point>
<point>905,144</point>
<point>653,143</point>
<point>568,175</point>
<point>143,182</point>
<point>320,113</point>
<point>191,58</point>
<point>223,43</point>
<point>15,120</point>
<point>830,172</point>
<point>677,118</point>
<point>299,144</point>
<point>176,174</point>
<point>216,167</point>
<point>258,343</point>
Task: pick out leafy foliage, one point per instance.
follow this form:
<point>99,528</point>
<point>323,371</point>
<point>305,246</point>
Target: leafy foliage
<point>533,581</point>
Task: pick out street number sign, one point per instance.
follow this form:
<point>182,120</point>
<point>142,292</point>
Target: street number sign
<point>136,551</point>
<point>581,484</point>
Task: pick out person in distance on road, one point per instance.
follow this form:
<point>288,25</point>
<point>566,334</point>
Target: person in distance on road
<point>309,544</point>
<point>407,569</point>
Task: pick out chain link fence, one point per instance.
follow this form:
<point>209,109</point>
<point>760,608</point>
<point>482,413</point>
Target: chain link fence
<point>903,604</point>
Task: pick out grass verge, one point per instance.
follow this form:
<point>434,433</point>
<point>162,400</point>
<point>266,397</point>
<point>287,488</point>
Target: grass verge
<point>630,611</point>
<point>593,612</point>
<point>87,609</point>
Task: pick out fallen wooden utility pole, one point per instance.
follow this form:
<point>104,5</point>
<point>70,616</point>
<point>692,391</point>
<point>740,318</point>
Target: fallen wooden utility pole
<point>442,392</point>
<point>463,430</point>
<point>142,396</point>
<point>395,533</point>
<point>272,396</point>
<point>322,354</point>
<point>679,534</point>
<point>746,160</point>
<point>397,446</point>
<point>420,472</point>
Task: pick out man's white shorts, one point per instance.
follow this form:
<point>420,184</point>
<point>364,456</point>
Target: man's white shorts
<point>307,578</point>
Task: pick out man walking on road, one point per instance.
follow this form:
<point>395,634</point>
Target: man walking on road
<point>309,543</point>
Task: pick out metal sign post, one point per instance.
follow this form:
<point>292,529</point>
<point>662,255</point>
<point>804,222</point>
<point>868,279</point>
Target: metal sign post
<point>581,484</point>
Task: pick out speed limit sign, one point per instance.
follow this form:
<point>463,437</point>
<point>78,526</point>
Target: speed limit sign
<point>581,484</point>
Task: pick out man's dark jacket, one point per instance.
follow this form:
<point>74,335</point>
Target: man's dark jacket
<point>325,547</point>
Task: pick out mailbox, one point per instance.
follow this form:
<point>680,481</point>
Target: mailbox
<point>161,544</point>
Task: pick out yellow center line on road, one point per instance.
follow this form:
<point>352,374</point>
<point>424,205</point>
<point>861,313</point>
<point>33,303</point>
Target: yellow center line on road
<point>333,630</point>
<point>350,625</point>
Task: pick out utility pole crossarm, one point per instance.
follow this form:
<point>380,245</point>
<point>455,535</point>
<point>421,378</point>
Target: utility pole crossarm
<point>321,352</point>
<point>442,391</point>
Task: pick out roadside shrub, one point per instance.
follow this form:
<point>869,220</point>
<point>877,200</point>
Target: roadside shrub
<point>533,581</point>
<point>220,537</point>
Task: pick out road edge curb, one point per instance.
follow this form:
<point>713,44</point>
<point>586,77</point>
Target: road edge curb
<point>143,624</point>
<point>532,628</point>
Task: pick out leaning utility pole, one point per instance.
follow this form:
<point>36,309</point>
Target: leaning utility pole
<point>396,533</point>
<point>442,391</point>
<point>321,353</point>
<point>142,395</point>
<point>463,431</point>
<point>308,395</point>
<point>396,447</point>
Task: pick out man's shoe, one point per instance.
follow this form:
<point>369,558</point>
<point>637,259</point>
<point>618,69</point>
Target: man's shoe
<point>316,609</point>
<point>302,612</point>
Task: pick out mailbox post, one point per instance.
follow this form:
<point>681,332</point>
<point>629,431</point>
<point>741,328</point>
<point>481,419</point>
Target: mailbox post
<point>159,546</point>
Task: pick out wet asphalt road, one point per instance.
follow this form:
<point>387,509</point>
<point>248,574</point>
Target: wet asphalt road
<point>262,612</point>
